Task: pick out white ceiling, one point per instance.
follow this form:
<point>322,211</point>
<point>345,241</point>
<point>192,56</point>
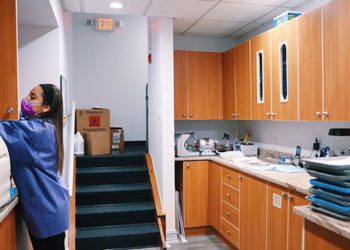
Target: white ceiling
<point>218,18</point>
<point>35,13</point>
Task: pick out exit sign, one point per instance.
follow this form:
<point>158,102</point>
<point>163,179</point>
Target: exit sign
<point>104,24</point>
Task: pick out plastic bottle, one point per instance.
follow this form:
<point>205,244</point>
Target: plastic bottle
<point>78,144</point>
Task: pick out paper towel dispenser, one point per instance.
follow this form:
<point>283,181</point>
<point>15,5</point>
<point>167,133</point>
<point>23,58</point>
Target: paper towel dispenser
<point>5,173</point>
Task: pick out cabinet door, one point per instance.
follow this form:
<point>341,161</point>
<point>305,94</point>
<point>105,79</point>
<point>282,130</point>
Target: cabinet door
<point>8,62</point>
<point>277,217</point>
<point>295,227</point>
<point>310,65</point>
<point>336,60</point>
<point>261,76</point>
<point>204,85</point>
<point>196,193</point>
<point>252,214</point>
<point>8,232</point>
<point>284,71</point>
<point>180,84</point>
<point>229,84</point>
<point>242,81</point>
<point>215,195</point>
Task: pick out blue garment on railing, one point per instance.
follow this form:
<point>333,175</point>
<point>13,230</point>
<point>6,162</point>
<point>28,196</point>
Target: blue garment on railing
<point>33,154</point>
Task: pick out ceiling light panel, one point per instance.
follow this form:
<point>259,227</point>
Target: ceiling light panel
<point>179,8</point>
<point>131,7</point>
<point>237,12</point>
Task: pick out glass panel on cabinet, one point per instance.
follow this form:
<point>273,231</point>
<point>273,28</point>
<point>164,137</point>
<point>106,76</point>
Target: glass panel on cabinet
<point>283,73</point>
<point>260,75</point>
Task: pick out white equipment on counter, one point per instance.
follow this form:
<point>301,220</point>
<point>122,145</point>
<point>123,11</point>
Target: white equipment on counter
<point>185,145</point>
<point>207,146</point>
<point>248,149</point>
<point>5,173</point>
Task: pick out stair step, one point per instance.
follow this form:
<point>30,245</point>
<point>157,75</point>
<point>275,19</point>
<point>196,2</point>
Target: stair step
<point>110,160</point>
<point>115,214</point>
<point>133,235</point>
<point>116,193</point>
<point>111,175</point>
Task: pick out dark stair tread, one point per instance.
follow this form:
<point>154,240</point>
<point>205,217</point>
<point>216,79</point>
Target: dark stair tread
<point>112,188</point>
<point>114,208</point>
<point>112,169</point>
<point>115,231</point>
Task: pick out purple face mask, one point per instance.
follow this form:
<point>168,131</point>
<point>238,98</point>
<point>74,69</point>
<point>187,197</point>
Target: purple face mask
<point>27,108</point>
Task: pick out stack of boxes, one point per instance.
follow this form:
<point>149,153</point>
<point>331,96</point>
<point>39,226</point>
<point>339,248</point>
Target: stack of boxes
<point>331,187</point>
<point>94,126</point>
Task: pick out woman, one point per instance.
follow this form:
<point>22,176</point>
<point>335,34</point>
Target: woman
<point>36,154</point>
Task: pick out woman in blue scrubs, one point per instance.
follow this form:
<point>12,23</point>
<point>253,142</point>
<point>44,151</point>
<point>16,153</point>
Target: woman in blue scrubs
<point>35,145</point>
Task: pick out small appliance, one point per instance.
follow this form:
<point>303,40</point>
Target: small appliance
<point>186,144</point>
<point>207,146</point>
<point>248,149</point>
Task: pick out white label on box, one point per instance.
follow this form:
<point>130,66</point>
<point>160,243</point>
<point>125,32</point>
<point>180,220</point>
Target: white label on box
<point>115,146</point>
<point>116,137</point>
<point>277,201</point>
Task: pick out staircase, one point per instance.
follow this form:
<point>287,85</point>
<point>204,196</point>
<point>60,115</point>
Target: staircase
<point>114,206</point>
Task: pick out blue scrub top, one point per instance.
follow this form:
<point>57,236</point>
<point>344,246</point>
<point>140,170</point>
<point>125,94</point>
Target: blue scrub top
<point>33,154</point>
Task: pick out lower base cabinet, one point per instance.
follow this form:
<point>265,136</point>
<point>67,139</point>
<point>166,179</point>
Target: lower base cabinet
<point>8,232</point>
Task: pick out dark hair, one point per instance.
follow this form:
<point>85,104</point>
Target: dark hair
<point>52,97</point>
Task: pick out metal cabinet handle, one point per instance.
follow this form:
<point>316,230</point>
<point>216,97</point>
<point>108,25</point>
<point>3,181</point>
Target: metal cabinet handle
<point>283,194</point>
<point>240,177</point>
<point>268,114</point>
<point>324,113</point>
<point>188,165</point>
<point>273,114</point>
<point>228,214</point>
<point>184,115</point>
<point>318,114</point>
<point>10,110</point>
<point>228,195</point>
<point>290,197</point>
<point>228,232</point>
<point>237,115</point>
<point>233,115</point>
<point>191,115</point>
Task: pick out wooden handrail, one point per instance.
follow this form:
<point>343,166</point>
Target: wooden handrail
<point>157,203</point>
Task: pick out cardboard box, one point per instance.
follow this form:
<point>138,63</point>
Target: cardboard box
<point>117,139</point>
<point>97,142</point>
<point>285,17</point>
<point>97,119</point>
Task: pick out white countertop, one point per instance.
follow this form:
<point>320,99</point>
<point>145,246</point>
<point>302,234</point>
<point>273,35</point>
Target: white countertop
<point>337,226</point>
<point>5,210</point>
<point>298,182</point>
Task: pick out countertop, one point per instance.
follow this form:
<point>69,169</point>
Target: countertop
<point>298,182</point>
<point>5,210</point>
<point>339,227</point>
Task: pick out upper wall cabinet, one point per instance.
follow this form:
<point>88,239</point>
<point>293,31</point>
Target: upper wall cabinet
<point>242,81</point>
<point>8,61</point>
<point>336,61</point>
<point>284,71</point>
<point>198,85</point>
<point>261,76</point>
<point>180,83</point>
<point>229,84</point>
<point>310,65</point>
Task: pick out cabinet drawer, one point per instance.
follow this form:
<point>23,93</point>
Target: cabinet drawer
<point>230,233</point>
<point>230,195</point>
<point>230,214</point>
<point>230,177</point>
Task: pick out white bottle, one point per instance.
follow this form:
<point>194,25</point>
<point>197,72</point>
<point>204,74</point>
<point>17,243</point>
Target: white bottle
<point>78,144</point>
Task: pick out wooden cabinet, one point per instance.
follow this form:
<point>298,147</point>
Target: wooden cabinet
<point>8,62</point>
<point>252,213</point>
<point>284,228</point>
<point>195,193</point>
<point>317,237</point>
<point>180,84</point>
<point>310,65</point>
<point>277,217</point>
<point>295,224</point>
<point>242,81</point>
<point>229,106</point>
<point>284,71</point>
<point>261,76</point>
<point>230,205</point>
<point>8,232</point>
<point>336,61</point>
<point>215,195</point>
<point>198,85</point>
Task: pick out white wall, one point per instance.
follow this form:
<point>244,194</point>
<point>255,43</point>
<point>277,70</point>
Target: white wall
<point>198,43</point>
<point>161,113</point>
<point>110,70</point>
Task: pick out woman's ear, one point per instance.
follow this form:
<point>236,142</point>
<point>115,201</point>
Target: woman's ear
<point>46,108</point>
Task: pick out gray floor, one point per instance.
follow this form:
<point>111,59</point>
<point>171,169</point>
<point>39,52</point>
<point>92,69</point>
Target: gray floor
<point>206,242</point>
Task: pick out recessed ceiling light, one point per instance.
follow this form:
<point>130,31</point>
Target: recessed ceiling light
<point>116,5</point>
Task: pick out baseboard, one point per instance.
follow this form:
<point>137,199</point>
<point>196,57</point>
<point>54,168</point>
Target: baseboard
<point>171,237</point>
